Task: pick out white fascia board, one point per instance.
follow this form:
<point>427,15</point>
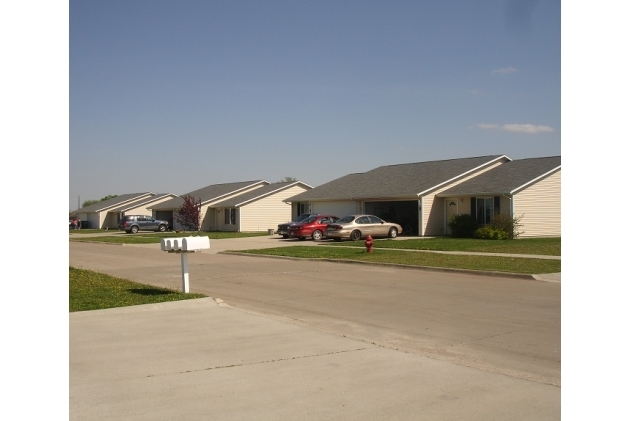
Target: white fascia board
<point>132,200</point>
<point>215,199</point>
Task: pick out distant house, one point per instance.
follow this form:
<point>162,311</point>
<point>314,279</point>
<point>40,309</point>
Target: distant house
<point>422,196</point>
<point>241,206</point>
<point>108,213</point>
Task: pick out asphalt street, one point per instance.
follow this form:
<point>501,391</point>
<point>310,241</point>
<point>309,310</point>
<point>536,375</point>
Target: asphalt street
<point>287,339</point>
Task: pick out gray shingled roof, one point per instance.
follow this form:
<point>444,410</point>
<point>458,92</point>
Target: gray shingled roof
<point>244,198</point>
<point>395,181</point>
<point>150,199</point>
<point>208,194</point>
<point>506,178</point>
<point>111,203</point>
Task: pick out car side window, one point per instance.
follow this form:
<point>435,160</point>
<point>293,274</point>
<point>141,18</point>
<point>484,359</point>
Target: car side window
<point>362,220</point>
<point>375,220</point>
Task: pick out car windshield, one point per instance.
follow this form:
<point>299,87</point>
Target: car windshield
<point>309,220</point>
<point>346,219</point>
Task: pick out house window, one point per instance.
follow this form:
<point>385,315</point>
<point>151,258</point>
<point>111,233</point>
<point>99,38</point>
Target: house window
<point>230,216</point>
<point>484,209</point>
<point>303,208</point>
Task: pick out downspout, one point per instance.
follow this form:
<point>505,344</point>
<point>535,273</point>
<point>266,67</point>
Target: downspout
<point>421,227</point>
<point>510,199</point>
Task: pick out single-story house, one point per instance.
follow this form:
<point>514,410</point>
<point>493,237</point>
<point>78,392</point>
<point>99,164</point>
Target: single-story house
<point>242,206</point>
<point>422,196</point>
<point>529,189</point>
<point>108,213</point>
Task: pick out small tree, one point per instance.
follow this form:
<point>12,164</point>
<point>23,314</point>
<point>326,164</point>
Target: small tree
<point>189,215</point>
<point>287,179</point>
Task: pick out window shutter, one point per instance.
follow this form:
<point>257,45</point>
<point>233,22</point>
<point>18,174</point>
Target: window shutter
<point>473,208</point>
<point>496,204</point>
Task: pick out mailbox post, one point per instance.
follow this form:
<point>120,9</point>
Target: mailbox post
<point>183,246</point>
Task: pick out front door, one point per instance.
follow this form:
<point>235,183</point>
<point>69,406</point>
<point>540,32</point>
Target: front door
<point>451,209</point>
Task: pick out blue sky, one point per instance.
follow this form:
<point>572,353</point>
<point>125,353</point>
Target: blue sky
<point>172,96</point>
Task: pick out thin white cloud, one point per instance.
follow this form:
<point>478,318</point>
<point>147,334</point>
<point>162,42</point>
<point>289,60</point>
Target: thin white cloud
<point>517,128</point>
<point>527,128</point>
<point>489,126</point>
<point>504,70</point>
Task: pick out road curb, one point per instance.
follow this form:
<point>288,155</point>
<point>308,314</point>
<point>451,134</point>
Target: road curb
<point>427,268</point>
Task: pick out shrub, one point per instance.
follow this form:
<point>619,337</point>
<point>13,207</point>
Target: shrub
<point>502,227</point>
<point>462,226</point>
<point>488,232</point>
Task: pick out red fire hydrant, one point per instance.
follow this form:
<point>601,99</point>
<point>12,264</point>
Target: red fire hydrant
<point>368,243</point>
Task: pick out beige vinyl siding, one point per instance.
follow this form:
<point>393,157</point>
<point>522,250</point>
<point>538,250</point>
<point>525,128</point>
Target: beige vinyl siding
<point>339,209</point>
<point>267,212</point>
<point>433,214</point>
<point>207,214</point>
<point>540,205</point>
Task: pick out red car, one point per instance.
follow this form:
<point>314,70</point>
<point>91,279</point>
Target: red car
<point>313,227</point>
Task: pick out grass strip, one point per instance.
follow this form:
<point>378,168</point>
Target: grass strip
<point>542,246</point>
<point>95,291</point>
<point>483,263</point>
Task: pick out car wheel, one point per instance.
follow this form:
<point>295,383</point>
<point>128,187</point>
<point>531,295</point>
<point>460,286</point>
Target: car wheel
<point>392,233</point>
<point>134,230</point>
<point>285,236</point>
<point>317,235</point>
<point>162,228</point>
<point>356,235</point>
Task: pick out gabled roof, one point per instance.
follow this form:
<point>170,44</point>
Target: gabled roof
<point>506,179</point>
<point>397,181</point>
<point>210,194</point>
<point>117,201</point>
<point>257,194</point>
<point>146,201</point>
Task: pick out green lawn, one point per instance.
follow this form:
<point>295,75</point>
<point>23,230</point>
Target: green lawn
<point>94,291</point>
<point>437,260</point>
<point>90,231</point>
<point>545,246</point>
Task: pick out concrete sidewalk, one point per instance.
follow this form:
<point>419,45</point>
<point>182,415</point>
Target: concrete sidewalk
<point>201,360</point>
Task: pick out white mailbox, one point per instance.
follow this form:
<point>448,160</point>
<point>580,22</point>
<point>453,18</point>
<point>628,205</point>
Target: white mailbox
<point>195,243</point>
<point>183,246</point>
<point>166,244</point>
